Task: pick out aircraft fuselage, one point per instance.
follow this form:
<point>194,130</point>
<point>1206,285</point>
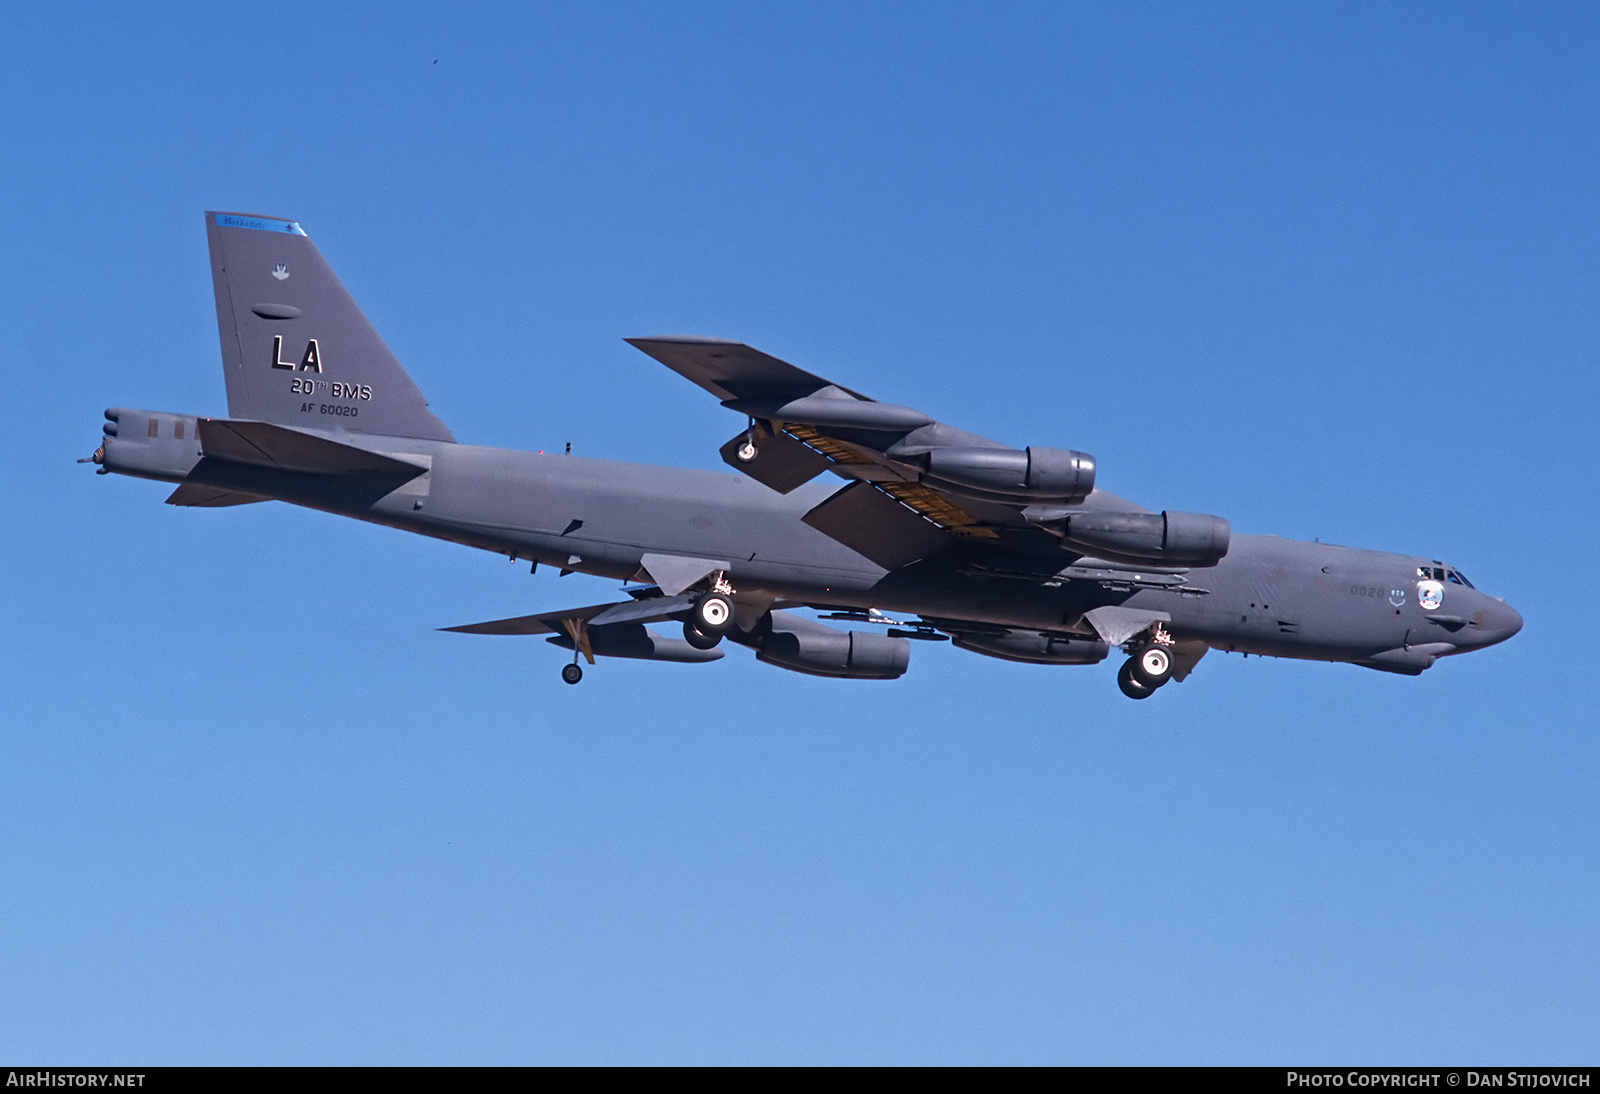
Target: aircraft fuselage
<point>1009,552</point>
<point>1269,596</point>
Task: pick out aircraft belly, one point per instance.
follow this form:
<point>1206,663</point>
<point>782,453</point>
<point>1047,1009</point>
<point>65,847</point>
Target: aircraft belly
<point>1006,605</point>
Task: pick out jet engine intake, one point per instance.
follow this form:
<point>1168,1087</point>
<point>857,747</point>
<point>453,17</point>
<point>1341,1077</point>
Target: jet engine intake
<point>1170,538</point>
<point>803,645</point>
<point>1034,473</point>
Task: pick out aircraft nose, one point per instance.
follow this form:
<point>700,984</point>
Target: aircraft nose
<point>1500,621</point>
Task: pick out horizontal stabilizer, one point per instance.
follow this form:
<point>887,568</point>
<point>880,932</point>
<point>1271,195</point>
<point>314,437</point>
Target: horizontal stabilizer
<point>262,444</point>
<point>204,496</point>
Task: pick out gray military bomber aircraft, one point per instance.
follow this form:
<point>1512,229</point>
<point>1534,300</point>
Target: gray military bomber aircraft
<point>1012,553</point>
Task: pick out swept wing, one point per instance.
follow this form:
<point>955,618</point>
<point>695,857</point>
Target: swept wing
<point>918,485</point>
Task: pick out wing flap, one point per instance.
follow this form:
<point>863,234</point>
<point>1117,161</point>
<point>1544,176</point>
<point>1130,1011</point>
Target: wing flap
<point>939,509</point>
<point>873,524</point>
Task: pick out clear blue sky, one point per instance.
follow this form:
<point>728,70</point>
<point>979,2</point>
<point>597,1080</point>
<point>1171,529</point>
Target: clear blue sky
<point>1327,270</point>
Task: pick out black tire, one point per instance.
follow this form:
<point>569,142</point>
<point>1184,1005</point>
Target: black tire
<point>571,673</point>
<point>1130,686</point>
<point>1152,666</point>
<point>698,639</point>
<point>712,614</point>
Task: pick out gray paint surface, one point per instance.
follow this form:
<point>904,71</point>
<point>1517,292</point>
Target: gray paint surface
<point>323,416</point>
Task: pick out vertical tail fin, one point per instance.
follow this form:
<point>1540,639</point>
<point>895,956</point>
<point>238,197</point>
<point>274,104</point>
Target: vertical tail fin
<point>296,349</point>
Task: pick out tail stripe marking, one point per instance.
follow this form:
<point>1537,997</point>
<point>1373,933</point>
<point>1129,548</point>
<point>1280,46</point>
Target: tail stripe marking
<point>261,224</point>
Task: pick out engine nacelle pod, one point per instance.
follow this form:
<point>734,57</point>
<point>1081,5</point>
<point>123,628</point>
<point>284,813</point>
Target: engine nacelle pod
<point>1033,474</point>
<point>1169,538</point>
<point>637,642</point>
<point>1037,649</point>
<point>802,645</point>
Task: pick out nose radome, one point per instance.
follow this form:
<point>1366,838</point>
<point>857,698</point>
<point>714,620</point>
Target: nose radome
<point>1502,621</point>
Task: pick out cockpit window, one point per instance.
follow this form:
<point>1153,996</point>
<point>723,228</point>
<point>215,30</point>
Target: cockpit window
<point>1459,579</point>
<point>1435,573</point>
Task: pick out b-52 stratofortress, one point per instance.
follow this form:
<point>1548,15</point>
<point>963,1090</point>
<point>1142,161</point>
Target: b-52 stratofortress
<point>934,533</point>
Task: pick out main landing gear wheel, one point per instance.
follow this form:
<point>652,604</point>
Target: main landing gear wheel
<point>1130,686</point>
<point>1152,666</point>
<point>699,639</point>
<point>712,615</point>
<point>571,673</point>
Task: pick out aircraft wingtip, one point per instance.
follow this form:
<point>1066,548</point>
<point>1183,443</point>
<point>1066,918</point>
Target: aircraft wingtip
<point>683,340</point>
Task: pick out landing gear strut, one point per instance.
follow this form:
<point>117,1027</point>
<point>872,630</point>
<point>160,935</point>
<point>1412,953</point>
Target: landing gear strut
<point>747,451</point>
<point>1150,666</point>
